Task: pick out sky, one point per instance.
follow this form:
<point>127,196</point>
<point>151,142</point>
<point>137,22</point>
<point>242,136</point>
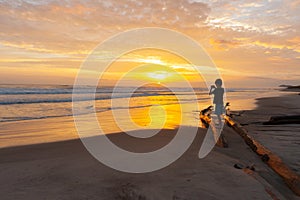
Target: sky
<point>253,43</point>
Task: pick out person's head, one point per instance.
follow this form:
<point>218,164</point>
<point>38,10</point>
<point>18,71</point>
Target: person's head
<point>219,82</point>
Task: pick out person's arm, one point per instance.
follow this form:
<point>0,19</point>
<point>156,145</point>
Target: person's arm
<point>212,89</point>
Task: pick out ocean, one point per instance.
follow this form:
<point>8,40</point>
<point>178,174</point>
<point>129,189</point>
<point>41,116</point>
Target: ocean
<point>43,113</point>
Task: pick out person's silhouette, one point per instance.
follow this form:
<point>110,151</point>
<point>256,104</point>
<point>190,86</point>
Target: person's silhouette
<point>218,93</point>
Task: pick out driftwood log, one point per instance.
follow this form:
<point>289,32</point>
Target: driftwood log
<point>289,119</point>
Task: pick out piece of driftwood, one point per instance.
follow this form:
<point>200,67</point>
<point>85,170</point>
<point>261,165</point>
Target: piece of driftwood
<point>289,119</point>
<point>205,117</point>
<point>222,142</point>
<point>291,178</point>
<point>293,87</point>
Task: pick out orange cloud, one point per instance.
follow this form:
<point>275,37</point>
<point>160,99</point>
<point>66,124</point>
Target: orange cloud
<point>220,44</point>
<point>271,45</point>
<point>77,9</point>
<point>240,37</point>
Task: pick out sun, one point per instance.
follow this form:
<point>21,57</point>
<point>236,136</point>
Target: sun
<point>158,75</point>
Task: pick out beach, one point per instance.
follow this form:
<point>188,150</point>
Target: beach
<point>282,139</point>
<point>65,170</point>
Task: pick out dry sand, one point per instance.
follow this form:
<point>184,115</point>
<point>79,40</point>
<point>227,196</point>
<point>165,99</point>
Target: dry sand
<point>65,170</point>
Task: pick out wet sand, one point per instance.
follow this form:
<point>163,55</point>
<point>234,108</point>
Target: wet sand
<point>282,139</point>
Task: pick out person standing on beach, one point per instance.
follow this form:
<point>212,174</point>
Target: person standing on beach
<point>218,93</point>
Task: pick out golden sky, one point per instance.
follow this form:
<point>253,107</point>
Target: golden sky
<point>253,43</point>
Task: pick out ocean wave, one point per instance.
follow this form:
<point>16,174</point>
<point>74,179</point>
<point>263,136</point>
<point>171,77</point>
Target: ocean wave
<point>33,98</point>
<point>88,109</point>
<point>68,89</point>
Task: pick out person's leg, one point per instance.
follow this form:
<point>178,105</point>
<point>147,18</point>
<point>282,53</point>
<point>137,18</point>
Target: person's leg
<point>220,120</point>
<point>218,112</point>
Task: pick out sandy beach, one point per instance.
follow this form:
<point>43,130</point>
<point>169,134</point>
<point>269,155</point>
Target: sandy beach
<point>65,170</point>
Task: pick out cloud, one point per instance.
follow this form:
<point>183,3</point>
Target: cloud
<point>239,35</point>
<point>267,17</point>
<point>289,44</point>
<point>78,25</point>
<point>222,44</point>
